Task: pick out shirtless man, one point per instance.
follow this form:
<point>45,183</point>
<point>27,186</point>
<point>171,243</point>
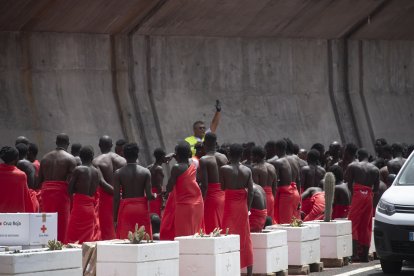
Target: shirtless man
<point>303,154</point>
<point>348,156</point>
<point>379,161</point>
<point>32,151</point>
<point>83,185</point>
<point>321,149</point>
<point>287,201</point>
<point>22,139</point>
<point>258,212</point>
<point>213,195</point>
<point>135,183</point>
<point>312,174</point>
<point>395,164</point>
<point>363,180</point>
<point>334,154</point>
<point>235,178</point>
<point>119,147</point>
<point>313,204</point>
<point>264,174</point>
<point>108,162</point>
<point>157,179</point>
<point>56,168</point>
<point>75,151</point>
<point>26,166</point>
<point>270,148</point>
<point>342,196</point>
<point>295,162</point>
<point>30,170</point>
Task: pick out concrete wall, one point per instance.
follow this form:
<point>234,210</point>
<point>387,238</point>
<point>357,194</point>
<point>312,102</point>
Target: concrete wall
<point>150,89</point>
<point>52,83</point>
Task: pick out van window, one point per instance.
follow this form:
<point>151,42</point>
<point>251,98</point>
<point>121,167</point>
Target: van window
<point>407,176</point>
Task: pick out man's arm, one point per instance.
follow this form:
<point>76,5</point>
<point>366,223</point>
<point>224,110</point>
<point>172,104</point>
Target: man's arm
<point>118,161</point>
<point>249,191</point>
<point>73,181</point>
<point>104,185</point>
<point>349,177</point>
<point>148,185</point>
<point>173,178</point>
<point>221,178</point>
<point>71,167</point>
<point>40,177</point>
<point>216,117</point>
<point>204,176</point>
<point>256,175</point>
<point>116,197</point>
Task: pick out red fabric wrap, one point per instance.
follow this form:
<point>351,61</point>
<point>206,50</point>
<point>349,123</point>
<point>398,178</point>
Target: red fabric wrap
<point>15,195</point>
<point>286,203</point>
<point>97,230</point>
<point>340,211</point>
<point>188,204</point>
<point>132,211</point>
<point>82,220</point>
<point>235,217</point>
<point>55,198</point>
<point>360,214</point>
<point>257,219</point>
<point>155,205</point>
<point>317,201</point>
<point>167,229</point>
<point>106,215</point>
<point>213,207</point>
<point>270,202</point>
<point>35,202</point>
<point>36,164</point>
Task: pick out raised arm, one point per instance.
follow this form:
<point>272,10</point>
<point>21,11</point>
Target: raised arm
<point>216,117</point>
<point>249,191</point>
<point>73,181</point>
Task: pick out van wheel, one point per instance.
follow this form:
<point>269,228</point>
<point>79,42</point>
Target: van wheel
<point>391,266</point>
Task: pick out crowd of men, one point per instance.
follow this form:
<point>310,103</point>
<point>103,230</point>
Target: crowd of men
<point>237,187</point>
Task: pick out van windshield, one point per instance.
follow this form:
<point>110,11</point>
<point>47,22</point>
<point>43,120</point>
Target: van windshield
<point>407,176</point>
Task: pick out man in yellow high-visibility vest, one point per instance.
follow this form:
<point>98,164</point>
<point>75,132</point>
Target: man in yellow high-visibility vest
<point>199,129</point>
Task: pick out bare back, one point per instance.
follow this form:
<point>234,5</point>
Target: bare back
<point>85,180</point>
<point>56,165</point>
<point>29,169</point>
<point>157,177</point>
<point>395,165</point>
<point>108,163</point>
<point>283,171</point>
<point>134,181</point>
<point>235,177</point>
<point>295,167</point>
<point>311,176</point>
<point>363,173</point>
<point>342,195</point>
<point>259,198</point>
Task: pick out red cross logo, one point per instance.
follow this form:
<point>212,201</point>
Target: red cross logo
<point>43,228</point>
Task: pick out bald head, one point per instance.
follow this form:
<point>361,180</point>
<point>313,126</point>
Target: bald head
<point>105,144</point>
<point>22,140</point>
<point>62,141</point>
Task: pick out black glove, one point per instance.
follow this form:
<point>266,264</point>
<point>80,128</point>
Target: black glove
<point>218,106</point>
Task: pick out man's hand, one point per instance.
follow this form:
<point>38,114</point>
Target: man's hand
<point>218,106</point>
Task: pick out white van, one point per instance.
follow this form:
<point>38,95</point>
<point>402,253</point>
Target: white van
<point>394,221</point>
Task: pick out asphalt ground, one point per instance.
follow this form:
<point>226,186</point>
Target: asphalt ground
<point>372,268</point>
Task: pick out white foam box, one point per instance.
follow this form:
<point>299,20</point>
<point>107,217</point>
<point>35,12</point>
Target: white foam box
<point>14,228</point>
<point>43,228</point>
<point>336,238</point>
<point>372,246</point>
<point>270,252</point>
<point>115,258</point>
<point>209,255</point>
<point>303,243</point>
<point>27,228</point>
<point>41,262</point>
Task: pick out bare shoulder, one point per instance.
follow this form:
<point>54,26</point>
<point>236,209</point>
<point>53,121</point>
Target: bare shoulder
<point>144,170</point>
<point>245,169</point>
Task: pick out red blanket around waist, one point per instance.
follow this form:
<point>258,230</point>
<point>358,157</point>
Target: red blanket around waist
<point>317,202</point>
<point>82,220</point>
<point>235,218</point>
<point>55,198</point>
<point>360,214</point>
<point>286,203</point>
<point>257,219</point>
<point>106,215</point>
<point>155,205</point>
<point>35,202</point>
<point>133,211</point>
<point>213,207</point>
<point>167,229</point>
<point>270,202</point>
<point>340,211</point>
